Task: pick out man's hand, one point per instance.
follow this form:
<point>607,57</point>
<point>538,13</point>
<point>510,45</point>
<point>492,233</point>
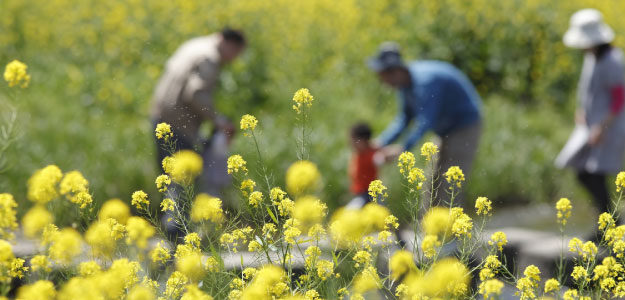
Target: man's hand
<point>391,152</point>
<point>596,135</point>
<point>580,117</point>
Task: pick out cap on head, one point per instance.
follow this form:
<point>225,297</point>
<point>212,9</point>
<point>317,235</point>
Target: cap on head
<point>587,30</point>
<point>388,56</point>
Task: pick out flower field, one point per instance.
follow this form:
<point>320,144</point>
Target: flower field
<point>78,174</point>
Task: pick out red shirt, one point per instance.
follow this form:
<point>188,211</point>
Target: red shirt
<point>362,171</point>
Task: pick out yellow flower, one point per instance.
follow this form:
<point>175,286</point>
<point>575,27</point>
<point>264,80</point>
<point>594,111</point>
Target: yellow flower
<point>291,230</point>
<point>160,254</point>
<point>416,176</point>
<point>66,245</point>
<point>276,194</point>
<point>309,210</point>
<point>139,231</point>
<point>49,234</point>
<point>236,163</point>
<point>570,294</point>
<point>528,284</point>
<point>140,292</point>
<point>75,187</point>
<point>575,245</point>
<point>194,293</point>
<point>362,257</point>
<point>302,97</point>
<point>255,198</point>
<point>447,278</point>
<point>438,221</point>
<point>40,262</point>
<point>367,280</point>
<point>492,262</point>
<point>428,150</point>
<point>40,290</point>
<point>401,263</point>
<point>183,167</point>
<point>605,221</point>
<point>552,285</point>
<point>269,229</point>
<point>191,266</point>
<point>206,208</point>
<point>491,288</point>
<point>254,246</point>
<point>15,73</point>
<point>168,205</point>
<point>325,269</point>
<point>163,131</point>
<point>429,245</point>
<point>42,185</point>
<point>140,200</point>
<point>211,264</point>
<point>462,225</point>
<point>563,206</point>
<point>17,269</point>
<point>391,221</point>
<point>268,282</point>
<point>101,238</point>
<point>247,186</point>
<point>499,239</point>
<point>302,178</point>
<point>175,284</point>
<point>406,162</point>
<point>162,181</point>
<point>620,181</point>
<point>8,220</point>
<point>377,190</point>
<point>483,206</point>
<point>454,175</point>
<point>248,122</point>
<point>579,272</point>
<point>115,209</point>
<point>589,250</point>
<point>89,268</point>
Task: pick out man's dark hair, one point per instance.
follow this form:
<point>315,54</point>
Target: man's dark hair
<point>361,131</point>
<point>233,36</point>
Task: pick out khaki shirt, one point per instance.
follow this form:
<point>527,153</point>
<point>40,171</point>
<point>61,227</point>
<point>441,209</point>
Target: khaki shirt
<point>184,95</point>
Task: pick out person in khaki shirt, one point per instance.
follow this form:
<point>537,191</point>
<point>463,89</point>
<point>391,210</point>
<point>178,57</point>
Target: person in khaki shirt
<point>183,98</point>
<point>184,95</point>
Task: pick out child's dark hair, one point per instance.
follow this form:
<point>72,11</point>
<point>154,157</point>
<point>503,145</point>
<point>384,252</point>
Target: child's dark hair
<point>234,36</point>
<point>361,131</point>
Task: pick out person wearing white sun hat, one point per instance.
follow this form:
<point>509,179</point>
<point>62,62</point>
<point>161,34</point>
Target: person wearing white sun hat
<point>596,146</point>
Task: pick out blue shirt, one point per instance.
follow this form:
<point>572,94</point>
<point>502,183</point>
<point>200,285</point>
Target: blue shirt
<point>440,98</point>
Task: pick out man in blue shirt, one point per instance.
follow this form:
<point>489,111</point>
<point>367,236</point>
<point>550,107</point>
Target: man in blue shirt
<point>432,95</point>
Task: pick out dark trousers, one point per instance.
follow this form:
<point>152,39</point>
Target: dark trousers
<point>596,185</point>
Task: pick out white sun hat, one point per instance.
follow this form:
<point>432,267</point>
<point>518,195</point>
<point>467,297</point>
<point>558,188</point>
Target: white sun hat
<point>587,30</point>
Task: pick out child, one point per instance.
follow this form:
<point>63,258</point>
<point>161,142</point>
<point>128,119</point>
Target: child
<point>363,167</point>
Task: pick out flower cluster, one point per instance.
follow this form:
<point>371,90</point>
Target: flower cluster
<point>163,131</point>
<point>302,98</point>
<point>455,176</point>
<point>563,206</point>
<point>429,150</point>
<point>302,178</point>
<point>183,166</point>
<point>15,74</point>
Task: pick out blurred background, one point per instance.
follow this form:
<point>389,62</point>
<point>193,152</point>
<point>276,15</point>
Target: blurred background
<point>94,65</point>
